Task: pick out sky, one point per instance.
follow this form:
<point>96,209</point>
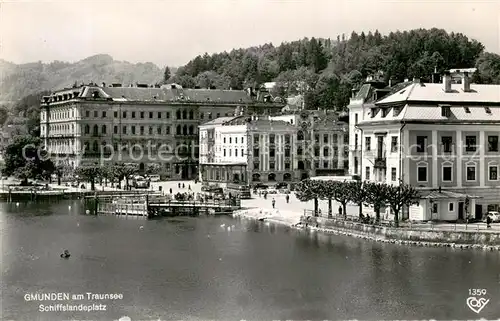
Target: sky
<point>171,32</point>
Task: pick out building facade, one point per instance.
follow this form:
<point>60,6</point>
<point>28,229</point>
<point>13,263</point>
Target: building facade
<point>442,139</point>
<point>285,148</point>
<point>95,124</point>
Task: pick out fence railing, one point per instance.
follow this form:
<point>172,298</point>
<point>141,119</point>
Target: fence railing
<point>441,226</point>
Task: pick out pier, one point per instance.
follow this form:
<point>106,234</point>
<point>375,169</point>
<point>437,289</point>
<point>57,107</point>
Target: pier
<point>156,205</point>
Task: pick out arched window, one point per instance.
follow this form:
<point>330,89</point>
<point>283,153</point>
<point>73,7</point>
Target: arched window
<point>287,177</point>
<point>184,114</point>
<point>178,114</point>
<point>150,130</point>
<point>96,130</point>
<point>191,130</point>
<point>300,165</point>
<point>256,177</point>
<point>185,130</point>
<point>95,146</point>
<point>87,129</point>
<point>300,135</point>
<point>191,115</point>
<point>179,130</point>
<point>271,177</point>
<point>103,129</point>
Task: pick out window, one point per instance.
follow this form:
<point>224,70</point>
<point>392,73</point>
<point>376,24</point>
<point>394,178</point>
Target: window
<point>492,143</point>
<point>115,130</point>
<point>447,173</point>
<point>470,143</point>
<point>178,114</point>
<point>271,152</point>
<point>115,114</point>
<point>299,150</point>
<point>255,152</point>
<point>335,139</point>
<point>493,173</point>
<point>242,152</point>
<point>287,165</point>
<point>316,151</point>
<point>368,143</point>
<point>230,140</point>
<point>271,139</point>
<point>124,129</point>
<point>150,130</point>
<point>191,114</point>
<point>95,114</point>
<point>224,152</point>
<point>394,144</point>
<point>355,140</point>
<point>325,164</point>
<point>158,130</point>
<point>133,114</point>
<point>218,115</point>
<point>316,138</point>
<point>287,139</point>
<point>325,138</point>
<point>168,114</point>
<point>142,114</point>
<point>450,207</point>
<point>103,129</point>
<point>133,130</point>
<point>235,152</point>
<point>271,165</point>
<point>446,141</point>
<point>471,172</point>
<point>467,110</point>
<point>142,130</point>
<point>236,140</point>
<point>316,164</point>
<point>103,114</point>
<point>422,174</point>
<point>287,151</point>
<point>393,174</point>
<point>159,114</point>
<point>445,111</point>
<point>256,139</point>
<point>150,114</point>
<point>168,130</point>
<point>367,173</point>
<point>421,143</point>
<point>355,119</point>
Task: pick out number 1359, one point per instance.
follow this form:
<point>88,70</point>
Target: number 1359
<point>477,291</point>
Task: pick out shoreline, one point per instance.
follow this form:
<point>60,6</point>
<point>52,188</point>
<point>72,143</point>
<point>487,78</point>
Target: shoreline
<point>266,216</point>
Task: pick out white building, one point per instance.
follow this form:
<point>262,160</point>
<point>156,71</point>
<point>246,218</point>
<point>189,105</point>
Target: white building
<point>441,138</point>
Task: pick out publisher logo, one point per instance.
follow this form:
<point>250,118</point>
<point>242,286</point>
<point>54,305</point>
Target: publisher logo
<point>477,304</point>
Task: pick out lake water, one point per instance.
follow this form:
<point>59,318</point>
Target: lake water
<point>197,269</point>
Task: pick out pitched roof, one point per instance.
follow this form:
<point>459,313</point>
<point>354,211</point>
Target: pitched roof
<point>435,93</point>
<point>444,195</point>
<point>219,121</point>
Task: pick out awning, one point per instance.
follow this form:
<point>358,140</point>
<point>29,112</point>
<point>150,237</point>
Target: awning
<point>446,195</point>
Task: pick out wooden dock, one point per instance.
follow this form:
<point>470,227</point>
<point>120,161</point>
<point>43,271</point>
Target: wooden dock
<point>155,205</point>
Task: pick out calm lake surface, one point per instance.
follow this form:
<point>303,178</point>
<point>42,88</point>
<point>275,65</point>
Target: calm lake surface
<point>196,269</point>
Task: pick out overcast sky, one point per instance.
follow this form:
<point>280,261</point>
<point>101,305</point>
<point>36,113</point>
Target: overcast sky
<point>171,32</point>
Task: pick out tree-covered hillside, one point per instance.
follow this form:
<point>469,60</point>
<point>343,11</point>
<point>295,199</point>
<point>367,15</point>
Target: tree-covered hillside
<point>330,68</point>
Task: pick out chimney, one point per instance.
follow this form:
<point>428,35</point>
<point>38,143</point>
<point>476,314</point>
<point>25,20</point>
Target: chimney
<point>447,82</point>
<point>465,82</point>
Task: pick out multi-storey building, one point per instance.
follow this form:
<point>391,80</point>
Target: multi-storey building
<point>284,148</point>
<point>442,139</point>
<point>93,124</point>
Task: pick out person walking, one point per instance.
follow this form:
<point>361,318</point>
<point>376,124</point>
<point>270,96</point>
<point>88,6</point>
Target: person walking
<point>287,198</point>
<point>340,210</point>
<point>179,185</point>
<point>189,187</point>
<point>273,202</point>
<point>183,186</point>
<point>488,221</point>
<point>170,190</point>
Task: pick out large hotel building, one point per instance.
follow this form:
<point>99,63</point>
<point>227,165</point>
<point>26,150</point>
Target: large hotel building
<point>140,124</point>
<point>442,138</point>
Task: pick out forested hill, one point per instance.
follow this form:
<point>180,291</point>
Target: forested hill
<point>331,68</point>
<point>18,81</point>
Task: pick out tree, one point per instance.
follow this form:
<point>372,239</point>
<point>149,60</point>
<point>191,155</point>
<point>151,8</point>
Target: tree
<point>376,196</point>
<point>25,158</point>
<point>329,194</point>
<point>89,174</point>
<point>152,169</point>
<point>123,171</point>
<point>399,196</point>
<point>308,190</point>
<point>357,195</point>
<point>341,195</point>
<point>166,75</point>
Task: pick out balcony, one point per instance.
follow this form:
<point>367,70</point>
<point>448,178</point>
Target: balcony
<point>380,160</point>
